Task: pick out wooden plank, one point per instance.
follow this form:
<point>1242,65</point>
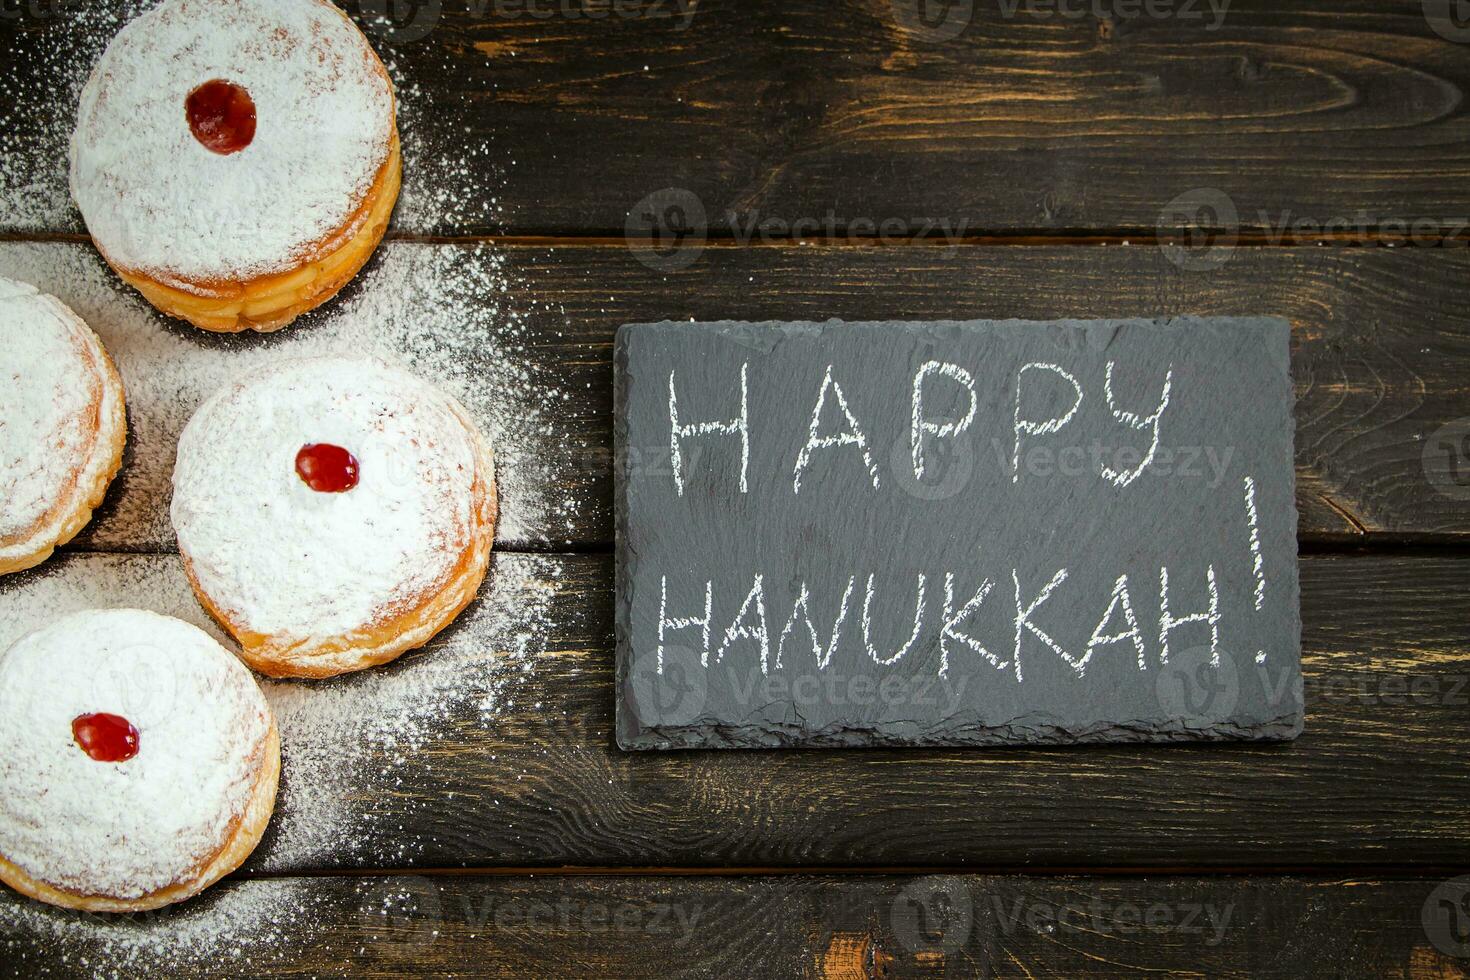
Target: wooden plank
<point>494,747</point>
<point>1381,351</point>
<point>1303,110</point>
<point>827,927</point>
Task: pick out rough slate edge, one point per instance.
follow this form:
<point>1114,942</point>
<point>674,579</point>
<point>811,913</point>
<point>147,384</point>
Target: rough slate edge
<point>631,735</point>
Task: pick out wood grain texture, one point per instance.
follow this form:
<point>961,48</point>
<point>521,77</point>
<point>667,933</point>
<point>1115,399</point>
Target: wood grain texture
<point>1381,354</point>
<point>559,117</point>
<point>1376,780</point>
<point>821,927</point>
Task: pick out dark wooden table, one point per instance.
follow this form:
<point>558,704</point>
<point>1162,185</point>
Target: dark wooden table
<point>1308,158</point>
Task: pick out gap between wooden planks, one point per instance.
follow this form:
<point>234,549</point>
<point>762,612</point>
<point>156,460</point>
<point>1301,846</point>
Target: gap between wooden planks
<point>1449,236</point>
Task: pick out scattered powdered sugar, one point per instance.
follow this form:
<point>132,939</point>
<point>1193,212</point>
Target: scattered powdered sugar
<point>443,312</point>
<point>238,928</point>
<point>451,180</point>
<point>450,177</point>
<point>379,925</point>
<point>350,741</point>
<point>47,64</point>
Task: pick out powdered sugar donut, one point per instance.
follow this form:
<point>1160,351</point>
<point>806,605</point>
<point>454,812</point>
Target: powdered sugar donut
<point>237,160</point>
<point>140,763</point>
<point>62,424</point>
<point>333,512</point>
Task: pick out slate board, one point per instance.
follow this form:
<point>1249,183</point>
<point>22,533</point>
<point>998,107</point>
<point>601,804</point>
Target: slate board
<point>984,508</point>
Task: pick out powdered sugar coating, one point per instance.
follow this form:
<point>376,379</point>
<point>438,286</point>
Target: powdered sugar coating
<point>158,202</point>
<point>124,830</point>
<point>283,560</point>
<point>57,413</point>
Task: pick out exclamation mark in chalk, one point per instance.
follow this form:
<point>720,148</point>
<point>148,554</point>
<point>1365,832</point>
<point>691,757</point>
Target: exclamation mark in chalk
<point>1257,564</point>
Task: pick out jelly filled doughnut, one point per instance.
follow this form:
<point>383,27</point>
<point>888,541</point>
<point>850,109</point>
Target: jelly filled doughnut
<point>237,161</point>
<point>140,763</point>
<point>333,512</point>
<point>62,425</point>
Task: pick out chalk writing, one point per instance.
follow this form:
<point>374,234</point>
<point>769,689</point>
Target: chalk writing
<point>1078,530</point>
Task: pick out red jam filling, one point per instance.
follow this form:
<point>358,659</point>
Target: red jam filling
<point>104,737</point>
<point>222,116</point>
<point>326,468</point>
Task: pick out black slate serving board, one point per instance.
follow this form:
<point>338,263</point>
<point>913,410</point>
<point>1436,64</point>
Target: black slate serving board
<point>987,514</point>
